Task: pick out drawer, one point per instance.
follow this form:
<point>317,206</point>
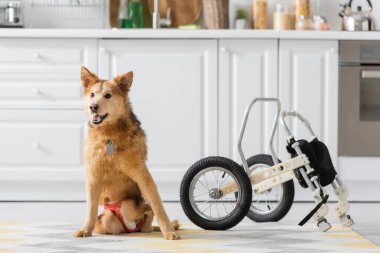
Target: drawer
<point>44,70</point>
<point>41,137</point>
<point>40,90</point>
<point>45,59</point>
<point>37,51</point>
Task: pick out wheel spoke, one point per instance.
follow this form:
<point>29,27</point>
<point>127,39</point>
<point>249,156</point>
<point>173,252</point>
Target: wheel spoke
<point>208,188</point>
<point>205,209</point>
<point>225,208</point>
<point>216,180</point>
<point>204,202</point>
<point>266,202</point>
<point>201,195</point>
<point>203,185</point>
<point>228,175</point>
<point>217,209</point>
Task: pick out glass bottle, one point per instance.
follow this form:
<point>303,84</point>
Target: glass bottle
<point>135,13</point>
<point>123,20</point>
<point>315,8</point>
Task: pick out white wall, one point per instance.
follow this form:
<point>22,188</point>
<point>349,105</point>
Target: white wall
<point>329,8</point>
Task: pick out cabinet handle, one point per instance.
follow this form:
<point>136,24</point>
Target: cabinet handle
<point>375,74</point>
<point>102,50</point>
<point>36,91</point>
<point>36,145</point>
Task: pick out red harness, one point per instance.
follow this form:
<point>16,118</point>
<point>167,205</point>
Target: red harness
<point>115,209</point>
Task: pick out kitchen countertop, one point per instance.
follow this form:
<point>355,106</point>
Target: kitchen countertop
<point>185,34</point>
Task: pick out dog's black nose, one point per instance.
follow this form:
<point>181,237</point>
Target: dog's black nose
<point>94,107</point>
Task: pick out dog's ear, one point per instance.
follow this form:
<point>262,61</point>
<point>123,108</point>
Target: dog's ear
<point>124,81</point>
<point>87,77</point>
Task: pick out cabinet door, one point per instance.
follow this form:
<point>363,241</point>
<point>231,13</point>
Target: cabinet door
<point>247,70</point>
<point>41,157</point>
<point>309,84</point>
<point>174,94</point>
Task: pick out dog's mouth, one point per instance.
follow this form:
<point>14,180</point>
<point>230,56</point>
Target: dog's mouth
<point>97,119</point>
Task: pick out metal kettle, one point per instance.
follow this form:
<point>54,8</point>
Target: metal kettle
<point>357,21</point>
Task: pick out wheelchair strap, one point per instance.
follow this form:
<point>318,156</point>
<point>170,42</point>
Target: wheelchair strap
<point>315,209</point>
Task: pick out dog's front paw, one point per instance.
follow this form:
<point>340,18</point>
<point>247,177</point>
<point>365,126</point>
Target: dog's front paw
<point>172,235</point>
<point>82,233</point>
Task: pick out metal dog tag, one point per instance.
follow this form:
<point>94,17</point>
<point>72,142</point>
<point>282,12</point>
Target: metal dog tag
<point>109,147</point>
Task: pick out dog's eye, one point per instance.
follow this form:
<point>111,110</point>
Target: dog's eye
<point>107,95</point>
<point>92,95</point>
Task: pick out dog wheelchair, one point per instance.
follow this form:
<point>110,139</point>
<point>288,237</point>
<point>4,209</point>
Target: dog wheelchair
<point>217,193</point>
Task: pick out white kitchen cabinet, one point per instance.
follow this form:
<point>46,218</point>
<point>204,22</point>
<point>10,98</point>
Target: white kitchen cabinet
<point>308,83</point>
<point>41,154</point>
<point>190,96</point>
<point>42,124</point>
<point>174,94</point>
<point>247,69</point>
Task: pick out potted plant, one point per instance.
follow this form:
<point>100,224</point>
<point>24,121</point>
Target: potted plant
<point>241,19</point>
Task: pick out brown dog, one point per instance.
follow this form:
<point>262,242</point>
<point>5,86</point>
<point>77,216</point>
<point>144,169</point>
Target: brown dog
<point>115,152</point>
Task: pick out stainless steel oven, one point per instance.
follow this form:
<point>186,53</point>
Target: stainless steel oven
<point>359,98</point>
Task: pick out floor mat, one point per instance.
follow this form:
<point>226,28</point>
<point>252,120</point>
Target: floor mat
<point>49,237</point>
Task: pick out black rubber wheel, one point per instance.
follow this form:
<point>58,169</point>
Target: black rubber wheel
<point>284,204</point>
<point>236,173</point>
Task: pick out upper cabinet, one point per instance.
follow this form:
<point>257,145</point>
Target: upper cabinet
<point>308,83</point>
<point>174,94</point>
<point>247,69</point>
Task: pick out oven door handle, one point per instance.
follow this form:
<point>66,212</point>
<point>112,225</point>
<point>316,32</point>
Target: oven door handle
<point>371,74</point>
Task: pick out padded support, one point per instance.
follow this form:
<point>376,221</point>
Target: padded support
<point>320,160</point>
<point>326,171</point>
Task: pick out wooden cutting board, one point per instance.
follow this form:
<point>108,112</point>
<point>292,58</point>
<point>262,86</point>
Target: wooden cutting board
<point>114,11</point>
<point>182,12</point>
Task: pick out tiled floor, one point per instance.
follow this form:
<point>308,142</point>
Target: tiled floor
<point>366,215</point>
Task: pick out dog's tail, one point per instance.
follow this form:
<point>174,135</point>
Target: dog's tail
<point>175,225</point>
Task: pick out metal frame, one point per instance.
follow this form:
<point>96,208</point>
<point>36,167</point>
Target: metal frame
<point>279,113</point>
<point>274,128</point>
<point>298,116</point>
<point>283,172</point>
